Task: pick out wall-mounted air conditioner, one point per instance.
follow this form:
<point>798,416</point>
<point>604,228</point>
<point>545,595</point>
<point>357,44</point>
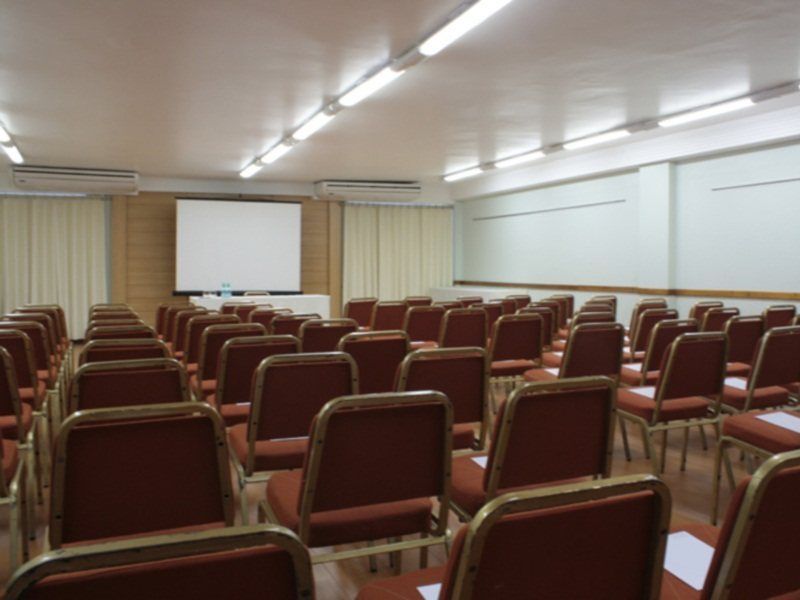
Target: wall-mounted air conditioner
<point>66,179</point>
<point>385,191</point>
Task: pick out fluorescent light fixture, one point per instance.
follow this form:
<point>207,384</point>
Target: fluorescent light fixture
<point>314,124</point>
<point>597,139</point>
<point>274,154</point>
<point>13,153</point>
<point>250,170</point>
<point>519,160</point>
<point>470,18</point>
<point>4,137</point>
<point>370,86</point>
<point>463,174</point>
<point>704,113</point>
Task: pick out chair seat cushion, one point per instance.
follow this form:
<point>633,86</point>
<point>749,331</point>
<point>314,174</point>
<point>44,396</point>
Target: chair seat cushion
<point>463,435</point>
<point>191,369</point>
<point>424,345</point>
<point>10,459</point>
<point>750,429</point>
<point>511,368</point>
<point>673,588</point>
<point>765,397</point>
<point>344,526</point>
<point>793,388</point>
<point>48,376</point>
<point>547,374</point>
<point>737,369</point>
<point>563,332</point>
<point>8,423</point>
<point>559,345</point>
<point>643,406</point>
<point>26,394</point>
<point>402,587</point>
<point>270,455</point>
<point>629,356</point>
<point>178,355</point>
<point>232,414</point>
<point>206,388</point>
<point>631,374</point>
<point>552,359</point>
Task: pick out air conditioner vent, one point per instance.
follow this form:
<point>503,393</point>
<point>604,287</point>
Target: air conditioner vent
<point>387,191</point>
<point>66,179</point>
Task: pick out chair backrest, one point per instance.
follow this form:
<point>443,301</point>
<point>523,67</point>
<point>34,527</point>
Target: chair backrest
<point>221,563</point>
<point>639,308</point>
<point>593,349</point>
<point>554,306</point>
<point>569,305</point>
<point>353,457</point>
<point>777,358</point>
<point>181,326</point>
<point>124,332</point>
<point>612,532</point>
<point>212,341</point>
<point>779,315</point>
<point>378,356</point>
<point>109,315</point>
<point>104,350</point>
<point>100,306</point>
<point>610,298</point>
<point>323,335</point>
<point>387,316</point>
<point>422,323</point>
<point>463,327</point>
<point>743,335</point>
<point>238,360</point>
<point>119,383</point>
<point>605,316</point>
<point>467,301</point>
<point>699,309</point>
<point>715,318</point>
<point>9,393</point>
<point>289,324</point>
<point>55,311</point>
<point>243,310</point>
<point>648,319</point>
<point>508,305</point>
<point>128,471</point>
<point>161,317</point>
<point>447,305</point>
<point>40,345</point>
<point>549,325</point>
<point>563,308</point>
<point>20,348</point>
<point>663,334</point>
<point>194,333</point>
<point>418,301</point>
<point>517,337</point>
<point>113,323</point>
<point>597,306</point>
<point>44,320</point>
<point>552,431</point>
<point>264,316</point>
<point>493,311</point>
<point>169,320</point>
<point>520,300</point>
<point>360,309</point>
<point>229,308</point>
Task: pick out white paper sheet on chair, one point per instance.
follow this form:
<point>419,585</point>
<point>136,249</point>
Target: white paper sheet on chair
<point>552,370</point>
<point>430,592</point>
<point>633,367</point>
<point>558,353</point>
<point>481,461</point>
<point>736,382</point>
<point>688,558</point>
<point>647,392</point>
<point>781,419</point>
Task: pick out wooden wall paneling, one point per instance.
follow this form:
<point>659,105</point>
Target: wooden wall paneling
<point>335,227</point>
<point>119,249</point>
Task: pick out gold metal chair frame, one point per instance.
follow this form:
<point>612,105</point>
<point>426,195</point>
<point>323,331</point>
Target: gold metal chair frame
<point>791,307</point>
<point>651,342</point>
<point>412,310</point>
<point>215,319</point>
<point>127,343</point>
<point>509,383</point>
<point>670,314</point>
<point>357,336</point>
<point>324,323</point>
<point>282,317</point>
<point>439,533</point>
<point>212,329</point>
<point>639,308</point>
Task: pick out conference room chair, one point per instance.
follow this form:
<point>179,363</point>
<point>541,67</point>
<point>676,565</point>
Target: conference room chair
<point>193,336</point>
<point>112,323</point>
<point>289,323</point>
<point>776,366</point>
<point>179,328</point>
<point>204,382</point>
<point>647,320</point>
<point>508,304</point>
<point>753,551</point>
<point>597,306</point>
<point>447,305</point>
<point>563,308</point>
<point>264,316</point>
<point>263,562</point>
<point>422,325</point>
<point>555,308</point>
<point>418,301</point>
<point>638,309</point>
<point>493,312</point>
<point>716,318</point>
<point>104,350</point>
<point>779,315</point>
<point>161,318</point>
<point>548,323</point>
<point>169,320</point>
<point>229,308</point>
<point>49,326</point>
<point>139,470</point>
<point>520,300</point>
<point>288,392</point>
<point>743,335</point>
<point>461,374</point>
<point>323,335</point>
<point>687,393</point>
<point>360,309</point>
<point>40,345</point>
<point>56,313</point>
<point>569,307</point>
<point>243,310</point>
<point>664,333</point>
<point>699,309</point>
<point>544,434</point>
<point>592,349</point>
<point>238,360</point>
<point>378,356</point>
<point>387,316</point>
<point>580,318</point>
<point>467,301</point>
<point>108,315</point>
<point>125,332</point>
<point>516,347</point>
<point>374,463</point>
<point>257,293</point>
<point>121,383</point>
<point>31,392</point>
<point>609,298</point>
<point>598,539</point>
<point>463,327</point>
<point>109,306</point>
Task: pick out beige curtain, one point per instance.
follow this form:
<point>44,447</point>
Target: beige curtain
<point>395,251</point>
<point>53,251</point>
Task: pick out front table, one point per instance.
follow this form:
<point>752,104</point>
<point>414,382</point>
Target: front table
<point>301,303</point>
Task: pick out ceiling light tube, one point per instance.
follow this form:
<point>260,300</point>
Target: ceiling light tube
<point>250,170</point>
<point>13,153</point>
<point>597,139</point>
<point>467,20</point>
<point>274,154</point>
<point>369,86</point>
<point>704,113</point>
<point>463,174</point>
<point>519,160</point>
<point>4,136</point>
<point>314,124</point>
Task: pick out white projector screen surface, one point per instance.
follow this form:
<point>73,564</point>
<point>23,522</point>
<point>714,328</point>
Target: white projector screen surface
<point>250,245</point>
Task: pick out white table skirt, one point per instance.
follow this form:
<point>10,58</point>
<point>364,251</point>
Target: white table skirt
<point>302,303</point>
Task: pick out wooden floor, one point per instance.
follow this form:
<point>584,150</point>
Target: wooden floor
<point>690,489</point>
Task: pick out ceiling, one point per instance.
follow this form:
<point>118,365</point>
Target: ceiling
<point>197,88</point>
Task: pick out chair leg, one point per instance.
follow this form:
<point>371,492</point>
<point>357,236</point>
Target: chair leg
<point>423,554</point>
<point>373,563</point>
<point>396,558</point>
<point>647,447</point>
<point>716,481</point>
<point>30,476</point>
<point>685,447</point>
<point>13,534</point>
<point>748,463</point>
<point>650,451</point>
<point>664,435</point>
<point>243,503</point>
<point>22,490</point>
<point>625,444</point>
<point>703,437</point>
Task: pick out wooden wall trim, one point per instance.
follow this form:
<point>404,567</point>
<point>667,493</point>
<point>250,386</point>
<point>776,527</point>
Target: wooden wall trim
<point>751,295</point>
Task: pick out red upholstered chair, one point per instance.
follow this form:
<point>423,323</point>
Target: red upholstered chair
<point>508,304</point>
<point>568,304</point>
<point>743,335</point>
<point>111,315</point>
<point>639,308</point>
<point>53,342</point>
<point>687,392</point>
<point>231,562</point>
<point>229,308</point>
<point>104,350</point>
<point>663,334</point>
<point>52,323</point>
<point>422,324</point>
<point>449,305</point>
<point>520,300</point>
<point>243,310</point>
<point>264,316</point>
<point>289,324</point>
<point>126,332</point>
<point>753,550</point>
<point>30,389</point>
<point>699,309</point>
<point>161,318</point>
<point>579,319</point>
<point>111,306</point>
<point>387,316</point>
<point>180,327</point>
<point>545,433</point>
<point>563,307</point>
<point>599,539</point>
<point>56,312</point>
<point>516,346</point>
<point>715,318</point>
<point>363,481</point>
<point>323,335</point>
<point>378,356</point>
<point>40,344</point>
<point>493,312</point>
<point>780,315</point>
<point>120,383</point>
<point>204,382</point>
<point>647,320</point>
<point>609,298</point>
<point>548,323</point>
<point>360,309</point>
<point>112,323</point>
<point>463,327</point>
<point>597,306</point>
<point>126,472</point>
<point>238,360</point>
<point>169,320</point>
<point>461,374</point>
<point>418,301</point>
<point>194,336</point>
<point>289,390</point>
<point>467,301</point>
